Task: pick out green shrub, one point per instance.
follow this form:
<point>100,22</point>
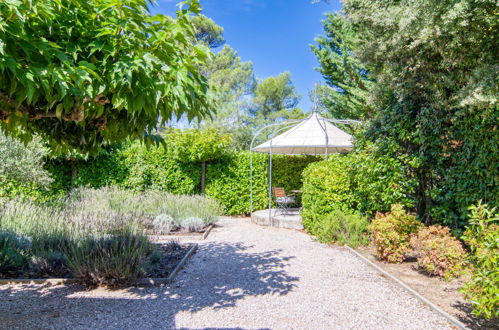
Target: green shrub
<point>482,237</point>
<point>111,260</point>
<point>438,252</point>
<point>326,187</point>
<point>133,166</point>
<point>49,263</point>
<point>228,179</point>
<point>350,229</point>
<point>193,224</point>
<point>358,182</point>
<point>391,232</point>
<point>13,251</point>
<point>21,168</point>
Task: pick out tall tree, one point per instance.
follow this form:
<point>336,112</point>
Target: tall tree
<point>198,146</point>
<point>435,63</point>
<point>347,78</point>
<point>207,31</point>
<point>276,98</point>
<point>231,80</point>
<point>86,73</point>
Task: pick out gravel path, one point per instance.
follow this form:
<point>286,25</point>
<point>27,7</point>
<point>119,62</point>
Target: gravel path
<point>243,276</point>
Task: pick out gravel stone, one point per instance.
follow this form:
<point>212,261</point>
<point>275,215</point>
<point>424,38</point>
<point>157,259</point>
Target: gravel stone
<point>242,276</point>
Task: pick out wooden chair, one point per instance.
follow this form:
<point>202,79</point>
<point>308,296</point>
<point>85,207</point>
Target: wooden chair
<point>282,200</point>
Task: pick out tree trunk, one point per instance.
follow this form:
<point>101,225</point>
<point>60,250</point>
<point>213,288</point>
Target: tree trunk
<point>203,174</point>
<point>74,172</point>
<point>423,199</point>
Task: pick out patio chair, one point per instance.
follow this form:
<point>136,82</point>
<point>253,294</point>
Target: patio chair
<point>282,200</point>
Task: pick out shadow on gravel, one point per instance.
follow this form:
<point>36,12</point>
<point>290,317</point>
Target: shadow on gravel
<point>217,276</point>
<point>475,322</point>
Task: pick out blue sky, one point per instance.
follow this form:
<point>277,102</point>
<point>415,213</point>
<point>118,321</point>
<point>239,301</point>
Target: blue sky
<point>274,34</point>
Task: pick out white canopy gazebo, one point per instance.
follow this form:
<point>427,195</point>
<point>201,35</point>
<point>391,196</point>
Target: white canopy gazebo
<point>314,135</point>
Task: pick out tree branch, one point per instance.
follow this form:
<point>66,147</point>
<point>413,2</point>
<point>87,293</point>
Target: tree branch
<point>8,106</point>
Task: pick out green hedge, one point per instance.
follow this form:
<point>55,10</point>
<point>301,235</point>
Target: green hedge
<point>359,181</point>
<point>228,179</point>
<point>133,166</point>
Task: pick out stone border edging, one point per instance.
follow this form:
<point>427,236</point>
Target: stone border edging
<point>434,307</point>
<point>173,274</point>
<point>144,281</point>
<point>208,230</point>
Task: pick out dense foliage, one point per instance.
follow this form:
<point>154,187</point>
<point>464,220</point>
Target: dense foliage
<point>198,146</point>
<point>347,78</point>
<point>88,73</point>
<point>99,249</point>
<point>482,236</point>
<point>21,166</point>
<point>343,228</point>
<point>135,167</point>
<point>358,182</point>
<point>391,233</point>
<point>207,31</point>
<point>438,252</point>
<point>433,64</point>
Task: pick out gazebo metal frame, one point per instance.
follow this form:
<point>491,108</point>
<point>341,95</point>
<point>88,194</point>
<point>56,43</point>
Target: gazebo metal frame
<point>279,127</point>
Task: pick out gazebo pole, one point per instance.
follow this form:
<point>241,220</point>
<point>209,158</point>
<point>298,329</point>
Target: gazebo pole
<point>270,182</point>
<point>251,183</point>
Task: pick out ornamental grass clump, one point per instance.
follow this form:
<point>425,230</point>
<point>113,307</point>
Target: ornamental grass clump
<point>391,233</point>
<point>482,238</point>
<point>112,260</point>
<point>438,252</point>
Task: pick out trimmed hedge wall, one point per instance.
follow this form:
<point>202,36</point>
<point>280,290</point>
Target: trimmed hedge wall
<point>358,181</point>
<point>133,166</point>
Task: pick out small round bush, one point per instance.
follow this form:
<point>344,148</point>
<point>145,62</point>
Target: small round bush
<point>163,224</point>
<point>343,228</point>
<point>391,233</point>
<point>13,251</point>
<point>193,224</point>
<point>437,252</point>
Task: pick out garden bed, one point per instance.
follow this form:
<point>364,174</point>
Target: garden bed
<point>444,294</point>
<point>161,267</point>
<point>168,260</point>
<point>99,236</point>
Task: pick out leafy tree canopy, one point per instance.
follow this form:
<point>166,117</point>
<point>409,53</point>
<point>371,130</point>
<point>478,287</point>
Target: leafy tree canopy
<point>207,31</point>
<point>347,78</point>
<point>197,145</point>
<point>275,95</point>
<point>86,73</point>
<point>230,80</point>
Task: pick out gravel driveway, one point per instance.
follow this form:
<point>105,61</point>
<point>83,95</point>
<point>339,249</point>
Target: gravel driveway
<point>243,276</point>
